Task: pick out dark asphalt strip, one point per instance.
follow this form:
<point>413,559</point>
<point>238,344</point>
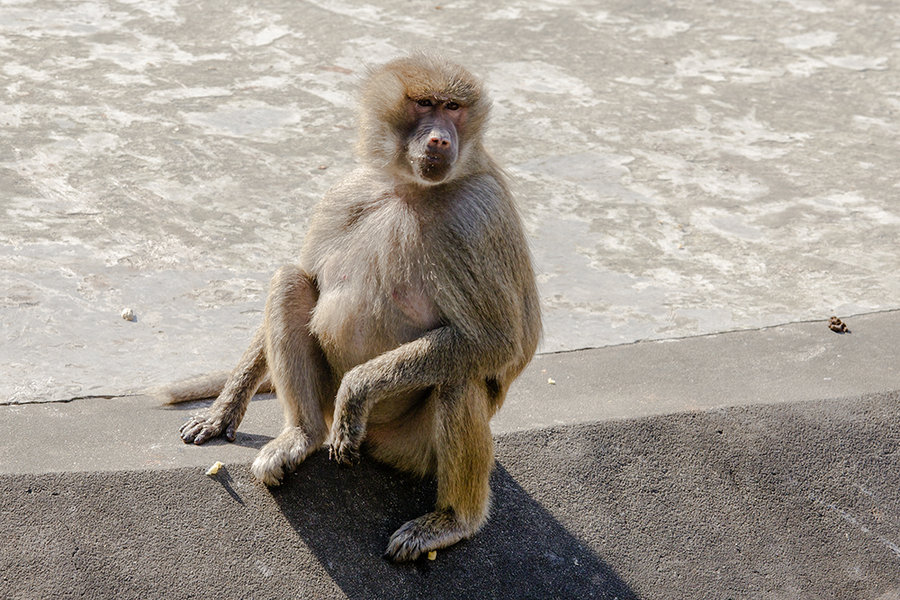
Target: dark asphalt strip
<point>792,500</point>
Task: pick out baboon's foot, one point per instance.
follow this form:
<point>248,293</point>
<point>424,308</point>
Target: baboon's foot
<point>201,428</point>
<point>282,455</point>
<point>438,529</point>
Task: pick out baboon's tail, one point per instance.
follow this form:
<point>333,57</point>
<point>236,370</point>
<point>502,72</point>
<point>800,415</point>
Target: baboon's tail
<point>198,388</point>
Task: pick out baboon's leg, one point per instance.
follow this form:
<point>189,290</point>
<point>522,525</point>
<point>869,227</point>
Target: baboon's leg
<point>465,457</point>
<point>302,377</point>
<point>226,412</point>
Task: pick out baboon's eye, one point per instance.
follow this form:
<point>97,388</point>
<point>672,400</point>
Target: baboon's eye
<point>451,106</point>
<point>424,102</point>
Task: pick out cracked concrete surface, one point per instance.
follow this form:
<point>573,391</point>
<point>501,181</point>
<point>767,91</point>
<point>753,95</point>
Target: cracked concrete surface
<point>682,168</point>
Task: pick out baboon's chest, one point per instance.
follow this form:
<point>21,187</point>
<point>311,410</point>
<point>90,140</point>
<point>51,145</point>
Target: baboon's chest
<point>374,294</point>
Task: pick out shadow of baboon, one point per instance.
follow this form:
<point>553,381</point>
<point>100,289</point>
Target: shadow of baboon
<point>346,515</point>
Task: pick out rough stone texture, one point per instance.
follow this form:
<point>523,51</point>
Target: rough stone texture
<point>721,504</point>
<point>682,167</point>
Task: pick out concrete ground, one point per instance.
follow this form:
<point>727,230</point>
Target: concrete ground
<point>682,168</point>
<point>796,500</point>
<point>703,186</point>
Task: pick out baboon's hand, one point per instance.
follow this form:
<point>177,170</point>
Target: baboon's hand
<point>345,442</point>
<point>201,428</point>
<point>349,425</point>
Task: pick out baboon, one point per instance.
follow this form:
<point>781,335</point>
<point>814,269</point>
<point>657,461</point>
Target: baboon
<point>411,311</point>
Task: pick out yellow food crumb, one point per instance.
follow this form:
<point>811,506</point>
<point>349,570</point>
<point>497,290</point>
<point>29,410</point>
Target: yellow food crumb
<point>215,468</point>
<point>551,381</point>
<point>432,555</point>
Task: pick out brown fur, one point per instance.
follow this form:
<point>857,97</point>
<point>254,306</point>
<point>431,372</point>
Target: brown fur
<point>412,310</point>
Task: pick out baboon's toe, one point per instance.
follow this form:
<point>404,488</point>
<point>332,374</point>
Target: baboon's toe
<point>429,532</point>
<point>199,429</point>
<point>267,471</point>
<point>282,455</point>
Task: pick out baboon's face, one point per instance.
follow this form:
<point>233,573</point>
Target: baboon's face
<point>421,117</point>
<point>432,147</point>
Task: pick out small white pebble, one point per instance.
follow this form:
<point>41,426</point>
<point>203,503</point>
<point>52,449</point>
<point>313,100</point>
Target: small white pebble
<point>432,555</point>
<point>128,314</point>
<point>215,468</point>
<point>551,381</point>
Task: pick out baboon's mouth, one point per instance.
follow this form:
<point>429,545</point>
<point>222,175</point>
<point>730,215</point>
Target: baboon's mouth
<point>434,169</point>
